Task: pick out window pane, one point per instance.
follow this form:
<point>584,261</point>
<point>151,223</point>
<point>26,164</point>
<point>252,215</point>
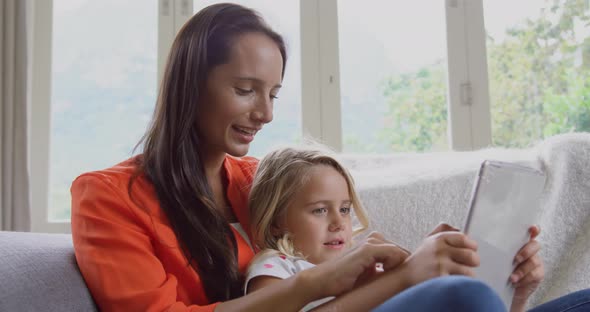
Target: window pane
<point>539,68</point>
<point>393,75</point>
<point>103,87</point>
<point>286,125</point>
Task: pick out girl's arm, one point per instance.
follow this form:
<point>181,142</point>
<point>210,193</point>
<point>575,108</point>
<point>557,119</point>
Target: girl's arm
<point>331,278</point>
<point>440,254</point>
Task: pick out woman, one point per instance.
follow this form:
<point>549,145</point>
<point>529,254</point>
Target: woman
<point>161,231</point>
<point>166,230</point>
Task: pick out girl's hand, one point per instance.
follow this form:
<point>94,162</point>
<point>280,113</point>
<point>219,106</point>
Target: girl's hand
<point>338,276</point>
<point>529,271</point>
<point>372,273</point>
<point>445,252</point>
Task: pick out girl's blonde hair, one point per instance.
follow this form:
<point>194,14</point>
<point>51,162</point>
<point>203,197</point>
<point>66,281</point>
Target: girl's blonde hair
<point>279,176</point>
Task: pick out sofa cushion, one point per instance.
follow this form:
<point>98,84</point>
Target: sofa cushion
<point>38,272</point>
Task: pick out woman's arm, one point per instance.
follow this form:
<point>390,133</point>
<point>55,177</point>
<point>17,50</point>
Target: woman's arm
<point>529,272</point>
<point>289,294</point>
<point>120,260</point>
<point>123,269</point>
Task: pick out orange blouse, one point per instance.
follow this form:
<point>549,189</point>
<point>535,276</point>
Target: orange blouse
<point>127,251</point>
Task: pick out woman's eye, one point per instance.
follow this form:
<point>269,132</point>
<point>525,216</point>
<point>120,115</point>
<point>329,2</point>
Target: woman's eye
<point>274,96</point>
<point>345,210</point>
<point>241,91</point>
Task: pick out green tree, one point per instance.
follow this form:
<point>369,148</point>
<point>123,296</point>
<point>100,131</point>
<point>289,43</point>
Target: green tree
<point>570,111</point>
<point>539,85</point>
<point>535,81</point>
<point>417,110</point>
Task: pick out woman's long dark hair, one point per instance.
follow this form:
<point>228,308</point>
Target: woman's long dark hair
<point>172,150</point>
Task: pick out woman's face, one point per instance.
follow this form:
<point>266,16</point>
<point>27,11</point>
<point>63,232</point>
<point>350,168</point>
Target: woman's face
<point>238,98</point>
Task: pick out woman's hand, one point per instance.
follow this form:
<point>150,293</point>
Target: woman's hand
<point>338,276</point>
<point>444,252</point>
<point>529,271</point>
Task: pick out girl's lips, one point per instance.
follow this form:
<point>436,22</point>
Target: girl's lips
<point>338,244</point>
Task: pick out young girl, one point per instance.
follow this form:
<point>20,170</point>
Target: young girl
<point>301,207</point>
<point>301,214</point>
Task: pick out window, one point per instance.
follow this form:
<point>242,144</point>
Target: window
<point>393,81</point>
<point>363,77</point>
<point>539,68</point>
<point>103,88</point>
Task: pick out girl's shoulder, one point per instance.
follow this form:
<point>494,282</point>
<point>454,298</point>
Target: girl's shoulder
<point>270,258</point>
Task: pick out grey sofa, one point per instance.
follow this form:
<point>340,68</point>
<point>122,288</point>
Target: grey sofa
<point>406,195</point>
<point>38,272</point>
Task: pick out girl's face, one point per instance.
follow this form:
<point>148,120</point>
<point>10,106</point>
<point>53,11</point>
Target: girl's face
<point>238,99</point>
<point>319,218</point>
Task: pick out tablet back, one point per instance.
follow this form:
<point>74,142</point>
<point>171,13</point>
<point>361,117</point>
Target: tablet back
<point>505,202</point>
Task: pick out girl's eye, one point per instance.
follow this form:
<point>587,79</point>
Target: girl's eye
<point>241,91</point>
<point>319,211</point>
<point>274,96</point>
<point>345,210</point>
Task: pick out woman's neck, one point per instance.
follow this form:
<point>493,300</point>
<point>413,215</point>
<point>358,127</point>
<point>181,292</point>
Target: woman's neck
<point>213,165</point>
<point>217,180</point>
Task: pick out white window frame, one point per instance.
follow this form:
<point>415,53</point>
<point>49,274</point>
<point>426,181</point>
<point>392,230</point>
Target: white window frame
<point>172,14</point>
<point>468,95</point>
<point>320,72</point>
<point>41,120</point>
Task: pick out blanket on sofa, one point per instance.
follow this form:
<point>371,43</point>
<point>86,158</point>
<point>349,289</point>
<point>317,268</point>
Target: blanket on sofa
<point>407,195</point>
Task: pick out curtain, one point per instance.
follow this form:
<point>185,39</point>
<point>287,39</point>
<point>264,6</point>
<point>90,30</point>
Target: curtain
<point>14,98</point>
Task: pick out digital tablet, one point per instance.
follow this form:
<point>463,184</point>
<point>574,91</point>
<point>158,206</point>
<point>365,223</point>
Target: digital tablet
<point>504,204</point>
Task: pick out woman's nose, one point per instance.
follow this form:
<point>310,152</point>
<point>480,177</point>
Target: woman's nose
<point>263,111</point>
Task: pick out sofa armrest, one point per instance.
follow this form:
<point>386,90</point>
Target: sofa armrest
<point>38,272</point>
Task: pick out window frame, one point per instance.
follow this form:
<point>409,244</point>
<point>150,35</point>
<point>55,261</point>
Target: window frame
<point>40,138</point>
<point>468,97</point>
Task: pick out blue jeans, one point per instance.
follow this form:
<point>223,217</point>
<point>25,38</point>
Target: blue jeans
<point>575,302</point>
<point>459,293</point>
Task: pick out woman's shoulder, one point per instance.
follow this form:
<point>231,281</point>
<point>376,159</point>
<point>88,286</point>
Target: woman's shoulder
<point>119,193</point>
<point>115,183</point>
<point>117,175</point>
